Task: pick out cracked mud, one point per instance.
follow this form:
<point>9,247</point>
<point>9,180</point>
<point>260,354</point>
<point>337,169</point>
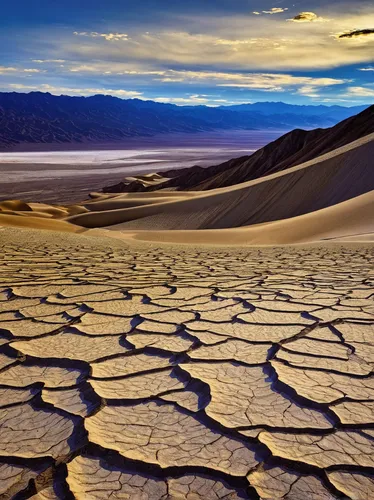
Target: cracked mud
<point>178,373</point>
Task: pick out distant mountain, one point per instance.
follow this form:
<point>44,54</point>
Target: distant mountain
<point>281,108</point>
<point>293,148</point>
<point>44,118</point>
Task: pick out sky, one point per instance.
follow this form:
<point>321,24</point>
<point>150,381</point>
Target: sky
<point>191,52</point>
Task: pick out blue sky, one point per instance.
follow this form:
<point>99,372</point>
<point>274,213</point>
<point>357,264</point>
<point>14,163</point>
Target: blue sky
<point>213,52</point>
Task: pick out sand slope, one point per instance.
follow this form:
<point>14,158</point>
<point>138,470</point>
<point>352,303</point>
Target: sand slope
<point>323,182</point>
<point>352,219</point>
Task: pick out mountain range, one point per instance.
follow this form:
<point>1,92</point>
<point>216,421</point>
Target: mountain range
<point>44,118</point>
<point>294,148</point>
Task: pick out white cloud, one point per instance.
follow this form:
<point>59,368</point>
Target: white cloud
<point>11,69</point>
<point>43,61</point>
<point>76,91</point>
<point>309,91</point>
<point>360,92</point>
<point>225,43</point>
<point>193,100</point>
<point>259,81</point>
<point>7,69</point>
<point>274,10</point>
<point>107,36</point>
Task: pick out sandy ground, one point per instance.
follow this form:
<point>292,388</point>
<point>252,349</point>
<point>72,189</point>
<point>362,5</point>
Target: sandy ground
<point>67,173</point>
<point>201,346</point>
<point>132,370</point>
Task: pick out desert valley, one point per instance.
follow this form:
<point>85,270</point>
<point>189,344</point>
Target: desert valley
<point>186,267</point>
<point>162,339</point>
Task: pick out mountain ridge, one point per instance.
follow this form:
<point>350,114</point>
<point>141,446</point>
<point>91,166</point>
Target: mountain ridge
<point>39,117</point>
<point>293,148</point>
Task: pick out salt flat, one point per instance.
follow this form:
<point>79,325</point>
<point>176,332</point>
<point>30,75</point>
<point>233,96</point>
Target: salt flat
<point>158,372</point>
<point>69,173</point>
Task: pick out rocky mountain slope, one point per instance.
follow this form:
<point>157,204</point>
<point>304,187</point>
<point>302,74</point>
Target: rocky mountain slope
<point>292,149</point>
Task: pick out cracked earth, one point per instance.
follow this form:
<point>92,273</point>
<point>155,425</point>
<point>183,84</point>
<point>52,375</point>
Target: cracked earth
<point>138,372</point>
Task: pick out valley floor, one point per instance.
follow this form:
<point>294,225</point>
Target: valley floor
<point>134,370</point>
<point>66,173</point>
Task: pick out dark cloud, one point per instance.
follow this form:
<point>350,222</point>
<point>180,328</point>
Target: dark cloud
<point>306,17</point>
<point>357,33</point>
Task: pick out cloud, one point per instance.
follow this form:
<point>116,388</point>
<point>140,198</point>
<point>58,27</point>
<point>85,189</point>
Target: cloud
<point>309,91</point>
<point>192,99</point>
<point>360,92</point>
<point>107,36</point>
<point>274,10</point>
<point>44,61</point>
<point>226,44</point>
<point>357,33</point>
<point>307,17</point>
<point>7,69</point>
<point>76,91</point>
<point>268,82</point>
<point>10,69</point>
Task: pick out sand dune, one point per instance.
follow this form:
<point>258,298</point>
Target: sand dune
<point>352,218</point>
<point>34,222</point>
<point>326,198</point>
<point>325,181</point>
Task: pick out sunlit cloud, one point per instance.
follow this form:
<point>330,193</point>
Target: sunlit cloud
<point>267,82</point>
<point>274,10</point>
<point>309,91</point>
<point>360,92</point>
<point>225,43</point>
<point>307,17</point>
<point>234,56</point>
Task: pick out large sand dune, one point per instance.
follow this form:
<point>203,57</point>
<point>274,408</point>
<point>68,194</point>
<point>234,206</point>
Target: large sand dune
<point>351,218</point>
<point>328,197</point>
<point>325,181</point>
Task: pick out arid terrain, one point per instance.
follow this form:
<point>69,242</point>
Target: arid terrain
<point>146,372</point>
<point>216,343</point>
<point>67,173</point>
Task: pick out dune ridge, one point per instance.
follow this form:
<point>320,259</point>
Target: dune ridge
<point>325,181</point>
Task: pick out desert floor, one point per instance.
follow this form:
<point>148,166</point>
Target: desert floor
<point>66,173</point>
<point>147,371</point>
